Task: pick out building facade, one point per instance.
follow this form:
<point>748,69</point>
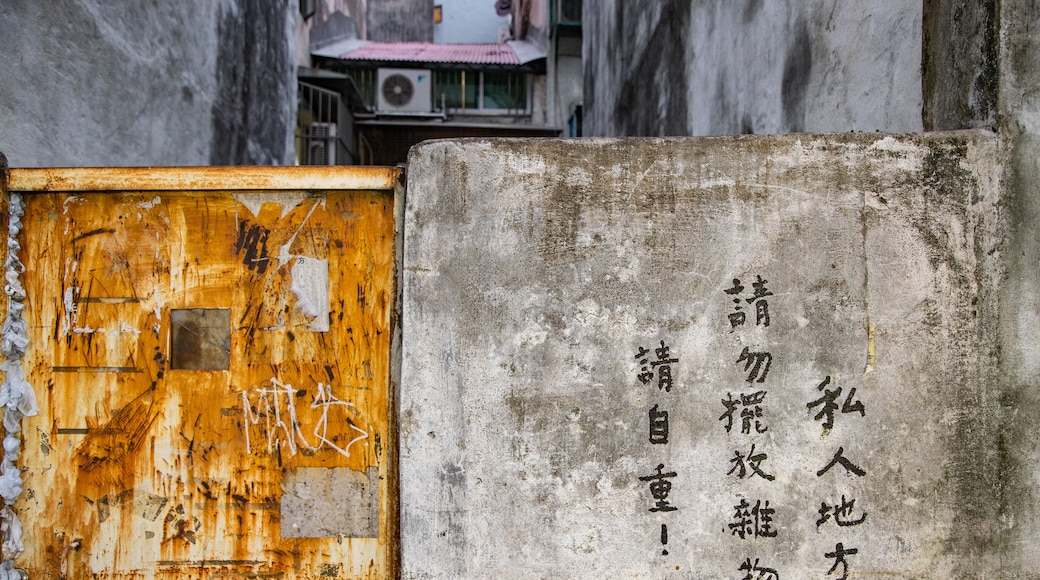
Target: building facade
<point>506,69</point>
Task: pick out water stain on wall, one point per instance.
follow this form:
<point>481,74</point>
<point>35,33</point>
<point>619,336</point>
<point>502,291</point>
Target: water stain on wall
<point>797,71</point>
<point>250,116</point>
<point>654,97</point>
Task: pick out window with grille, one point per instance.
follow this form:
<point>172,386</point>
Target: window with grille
<point>479,92</point>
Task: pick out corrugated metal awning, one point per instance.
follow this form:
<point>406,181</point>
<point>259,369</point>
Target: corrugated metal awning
<point>512,53</point>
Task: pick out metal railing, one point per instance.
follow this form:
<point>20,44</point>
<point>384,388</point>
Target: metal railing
<point>320,128</point>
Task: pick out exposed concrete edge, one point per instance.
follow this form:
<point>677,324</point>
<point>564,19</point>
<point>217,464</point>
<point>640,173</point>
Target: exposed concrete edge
<point>396,344</point>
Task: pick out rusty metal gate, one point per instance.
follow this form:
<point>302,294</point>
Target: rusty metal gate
<point>210,354</point>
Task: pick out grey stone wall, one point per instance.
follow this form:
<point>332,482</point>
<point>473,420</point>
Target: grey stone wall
<point>1019,124</point>
<point>97,83</point>
<point>752,66</point>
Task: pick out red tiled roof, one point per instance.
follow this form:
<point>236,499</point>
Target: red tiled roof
<point>430,52</point>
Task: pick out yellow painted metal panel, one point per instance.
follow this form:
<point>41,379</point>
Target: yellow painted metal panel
<point>212,372</point>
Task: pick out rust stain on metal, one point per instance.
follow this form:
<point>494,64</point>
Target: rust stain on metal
<point>204,179</point>
<point>164,472</point>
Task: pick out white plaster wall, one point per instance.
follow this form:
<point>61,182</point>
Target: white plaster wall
<point>468,21</point>
<point>568,88</point>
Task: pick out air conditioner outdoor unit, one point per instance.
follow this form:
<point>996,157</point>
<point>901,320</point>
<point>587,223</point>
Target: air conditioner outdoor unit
<point>321,144</point>
<point>404,91</point>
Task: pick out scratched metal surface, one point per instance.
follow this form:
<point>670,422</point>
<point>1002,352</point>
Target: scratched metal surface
<point>264,452</point>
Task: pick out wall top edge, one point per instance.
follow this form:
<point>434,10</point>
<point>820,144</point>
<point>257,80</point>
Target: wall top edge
<point>45,180</point>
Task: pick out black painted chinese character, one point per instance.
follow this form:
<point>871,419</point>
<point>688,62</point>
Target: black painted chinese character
<point>645,373</point>
<point>738,317</point>
<point>839,458</point>
<point>838,555</point>
<point>742,463</point>
<point>658,426</point>
<point>752,521</point>
<point>664,367</point>
<point>751,412</point>
<point>660,487</point>
<point>753,364</point>
<point>731,405</point>
<point>756,572</point>
<point>841,512</point>
<point>761,306</point>
<point>759,293</point>
<point>828,405</point>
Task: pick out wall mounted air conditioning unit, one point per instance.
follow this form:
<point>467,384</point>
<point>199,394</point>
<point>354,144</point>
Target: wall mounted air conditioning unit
<point>404,91</point>
<point>321,144</point>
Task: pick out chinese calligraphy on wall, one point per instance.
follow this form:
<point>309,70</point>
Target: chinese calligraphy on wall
<point>745,420</point>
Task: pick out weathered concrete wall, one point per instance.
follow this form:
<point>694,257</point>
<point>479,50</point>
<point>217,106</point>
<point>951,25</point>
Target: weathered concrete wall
<point>400,21</point>
<point>752,66</point>
<point>549,443</point>
<point>959,64</point>
<point>1019,123</point>
<point>131,83</point>
<point>254,112</point>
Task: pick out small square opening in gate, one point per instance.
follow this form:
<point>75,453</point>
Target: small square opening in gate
<point>200,339</point>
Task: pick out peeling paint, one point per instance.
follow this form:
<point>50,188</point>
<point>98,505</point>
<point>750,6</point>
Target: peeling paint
<point>310,285</point>
<point>150,204</point>
<point>870,346</point>
<point>16,394</point>
<point>255,201</point>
